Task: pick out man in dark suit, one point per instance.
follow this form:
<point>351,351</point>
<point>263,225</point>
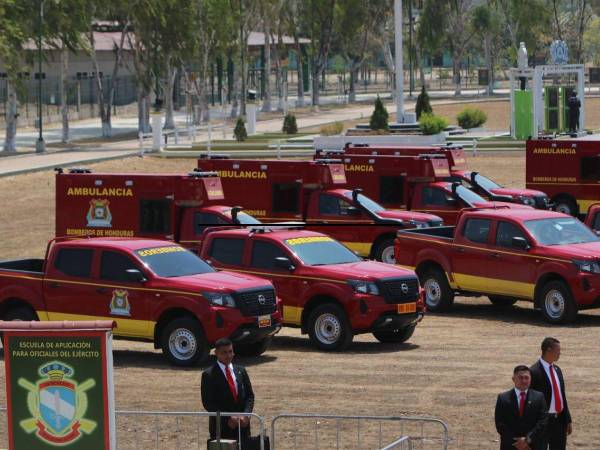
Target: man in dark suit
<point>521,414</point>
<point>226,387</point>
<point>547,378</point>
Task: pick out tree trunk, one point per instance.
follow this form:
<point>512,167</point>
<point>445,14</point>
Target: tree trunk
<point>168,89</point>
<point>353,78</point>
<point>456,73</point>
<point>10,143</point>
<point>266,106</point>
<point>236,92</point>
<point>105,120</point>
<point>300,71</point>
<point>489,65</point>
<point>143,100</point>
<point>64,107</point>
<point>316,76</point>
<point>278,72</point>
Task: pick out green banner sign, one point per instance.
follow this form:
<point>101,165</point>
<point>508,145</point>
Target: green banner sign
<point>57,390</point>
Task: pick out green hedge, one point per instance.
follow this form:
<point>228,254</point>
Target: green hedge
<point>471,118</point>
<point>431,124</point>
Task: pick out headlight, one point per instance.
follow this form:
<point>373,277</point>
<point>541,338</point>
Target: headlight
<point>364,287</point>
<point>218,299</point>
<point>526,200</point>
<point>587,266</point>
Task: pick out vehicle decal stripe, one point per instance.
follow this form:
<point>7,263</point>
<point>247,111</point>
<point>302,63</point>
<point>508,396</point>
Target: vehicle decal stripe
<point>269,274</point>
<point>292,314</point>
<point>495,286</point>
<point>489,250</point>
<point>363,248</point>
<point>24,277</point>
<point>584,205</point>
<point>122,286</point>
<point>448,276</point>
<point>125,327</point>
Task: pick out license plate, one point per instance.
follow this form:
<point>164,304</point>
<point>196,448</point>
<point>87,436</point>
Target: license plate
<point>405,308</point>
<point>264,321</point>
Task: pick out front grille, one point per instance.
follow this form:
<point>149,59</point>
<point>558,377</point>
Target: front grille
<point>399,290</point>
<point>256,302</point>
<point>541,202</point>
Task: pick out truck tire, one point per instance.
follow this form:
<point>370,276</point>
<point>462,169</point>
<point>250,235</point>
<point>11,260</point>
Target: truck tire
<point>20,313</point>
<point>395,336</point>
<point>556,303</point>
<point>183,342</point>
<point>329,329</point>
<point>565,205</point>
<point>502,302</point>
<point>385,251</point>
<point>253,349</point>
<point>438,295</point>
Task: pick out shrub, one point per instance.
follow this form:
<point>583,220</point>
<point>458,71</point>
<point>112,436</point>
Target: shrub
<point>239,131</point>
<point>431,124</point>
<point>423,105</point>
<point>379,119</point>
<point>471,118</point>
<point>331,129</point>
<point>289,124</point>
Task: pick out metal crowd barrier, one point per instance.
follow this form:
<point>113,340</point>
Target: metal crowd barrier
<point>318,431</point>
<point>399,444</point>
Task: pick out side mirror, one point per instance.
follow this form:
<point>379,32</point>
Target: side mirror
<point>520,243</point>
<point>355,193</point>
<point>135,276</point>
<point>283,262</point>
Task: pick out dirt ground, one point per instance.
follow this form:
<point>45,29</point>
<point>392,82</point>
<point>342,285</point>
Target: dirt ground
<point>452,368</point>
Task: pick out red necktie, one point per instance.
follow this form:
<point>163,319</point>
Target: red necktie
<point>555,391</point>
<point>521,403</point>
<point>232,386</point>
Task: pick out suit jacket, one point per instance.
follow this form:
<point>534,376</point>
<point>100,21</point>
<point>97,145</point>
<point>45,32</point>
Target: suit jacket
<point>532,425</point>
<point>216,396</point>
<point>541,382</point>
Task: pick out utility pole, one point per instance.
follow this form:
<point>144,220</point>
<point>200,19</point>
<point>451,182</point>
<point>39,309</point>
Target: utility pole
<point>40,146</point>
<point>243,45</point>
<point>398,57</point>
<point>410,48</point>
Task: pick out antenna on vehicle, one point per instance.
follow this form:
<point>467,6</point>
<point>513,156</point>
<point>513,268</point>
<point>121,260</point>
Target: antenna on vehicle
<point>355,193</point>
<point>234,212</point>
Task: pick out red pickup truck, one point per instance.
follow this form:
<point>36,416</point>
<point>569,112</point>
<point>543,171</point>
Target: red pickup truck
<point>326,289</point>
<point>155,290</point>
<point>543,256</point>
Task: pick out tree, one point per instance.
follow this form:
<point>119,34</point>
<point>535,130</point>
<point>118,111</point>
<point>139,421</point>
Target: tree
<point>379,118</point>
<point>570,21</point>
<point>239,131</point>
<point>423,106</point>
<point>290,13</point>
<point>487,26</point>
<point>321,25</point>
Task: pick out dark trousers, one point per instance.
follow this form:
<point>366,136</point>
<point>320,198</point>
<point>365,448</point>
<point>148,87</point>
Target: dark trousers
<point>557,433</point>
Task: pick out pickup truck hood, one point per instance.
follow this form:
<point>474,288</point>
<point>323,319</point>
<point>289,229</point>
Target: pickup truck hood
<point>362,270</point>
<point>492,205</point>
<point>409,215</point>
<point>518,192</point>
<point>222,281</point>
<point>589,251</point>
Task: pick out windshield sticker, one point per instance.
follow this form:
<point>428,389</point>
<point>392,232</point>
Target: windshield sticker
<point>159,250</point>
<point>308,240</point>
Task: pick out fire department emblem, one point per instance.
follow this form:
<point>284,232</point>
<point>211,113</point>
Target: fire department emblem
<point>119,304</point>
<point>57,405</point>
<point>99,214</point>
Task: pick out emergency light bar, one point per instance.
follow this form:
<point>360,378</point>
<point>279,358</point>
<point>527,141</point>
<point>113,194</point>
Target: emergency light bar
<point>281,226</point>
<point>328,161</point>
<point>214,156</point>
<point>199,174</point>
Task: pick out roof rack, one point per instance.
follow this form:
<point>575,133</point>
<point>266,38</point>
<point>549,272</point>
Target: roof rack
<point>281,226</point>
<point>214,156</point>
<point>332,151</point>
<point>200,174</point>
<point>328,161</point>
<point>80,170</point>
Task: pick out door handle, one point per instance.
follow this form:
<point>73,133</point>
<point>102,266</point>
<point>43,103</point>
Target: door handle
<point>102,291</point>
<point>54,285</point>
<point>495,255</point>
<point>460,249</point>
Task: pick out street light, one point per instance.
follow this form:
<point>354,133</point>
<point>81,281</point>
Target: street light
<point>40,146</point>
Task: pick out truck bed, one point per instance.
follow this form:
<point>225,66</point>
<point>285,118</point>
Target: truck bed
<point>439,232</point>
<point>23,265</point>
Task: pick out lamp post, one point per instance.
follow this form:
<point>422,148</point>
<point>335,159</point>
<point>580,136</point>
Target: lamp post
<point>398,56</point>
<point>40,146</point>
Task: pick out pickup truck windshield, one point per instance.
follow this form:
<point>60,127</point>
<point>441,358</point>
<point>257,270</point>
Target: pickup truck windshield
<point>246,219</point>
<point>172,261</point>
<point>486,183</point>
<point>560,231</point>
<point>320,251</point>
<point>468,196</point>
<point>367,203</point>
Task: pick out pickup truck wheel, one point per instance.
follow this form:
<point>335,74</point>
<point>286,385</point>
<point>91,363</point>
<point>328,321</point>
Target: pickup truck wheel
<point>254,349</point>
<point>557,303</point>
<point>502,302</point>
<point>329,329</point>
<point>438,295</point>
<point>394,336</point>
<point>20,313</point>
<point>565,205</point>
<point>183,342</point>
<point>385,251</point>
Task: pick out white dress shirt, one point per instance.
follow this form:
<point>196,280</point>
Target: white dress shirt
<point>223,369</point>
<point>552,407</point>
<point>518,394</point>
